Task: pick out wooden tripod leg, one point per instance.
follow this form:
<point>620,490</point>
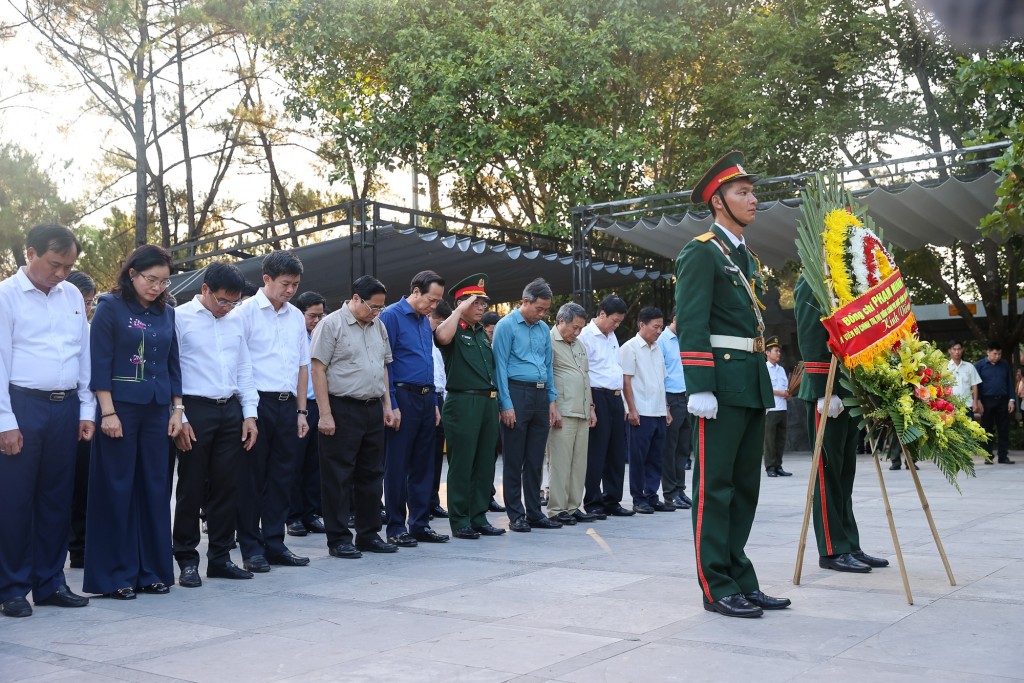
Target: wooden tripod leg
<point>815,459</point>
<point>928,513</point>
<point>892,524</point>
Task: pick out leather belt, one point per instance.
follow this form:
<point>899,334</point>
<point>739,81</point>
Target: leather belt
<point>55,396</point>
<point>358,401</point>
<point>207,399</point>
<point>531,385</point>
<point>724,341</point>
<point>416,388</point>
<point>489,393</point>
<point>276,396</point>
<point>613,392</point>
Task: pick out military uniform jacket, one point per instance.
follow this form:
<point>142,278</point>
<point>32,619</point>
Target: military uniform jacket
<point>813,341</point>
<point>468,359</point>
<point>711,299</point>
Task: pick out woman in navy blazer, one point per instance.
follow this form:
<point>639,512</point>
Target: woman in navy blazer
<point>137,381</point>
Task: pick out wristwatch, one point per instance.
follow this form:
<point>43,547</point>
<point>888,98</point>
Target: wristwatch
<point>302,411</point>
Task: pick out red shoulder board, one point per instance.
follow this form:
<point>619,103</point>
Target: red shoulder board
<point>462,325</point>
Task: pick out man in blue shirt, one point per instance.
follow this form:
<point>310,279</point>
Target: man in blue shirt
<point>996,395</point>
<point>677,437</point>
<point>526,399</point>
<point>409,460</point>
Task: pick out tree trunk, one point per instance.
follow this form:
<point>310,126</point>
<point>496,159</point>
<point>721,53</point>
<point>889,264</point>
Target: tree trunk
<point>190,201</point>
<point>139,125</point>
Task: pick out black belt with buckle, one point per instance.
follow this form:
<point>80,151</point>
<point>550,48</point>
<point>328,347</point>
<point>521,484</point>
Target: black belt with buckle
<point>613,392</point>
<point>529,385</point>
<point>359,401</point>
<point>276,396</point>
<point>416,388</point>
<point>55,396</point>
<point>489,393</point>
<point>207,399</point>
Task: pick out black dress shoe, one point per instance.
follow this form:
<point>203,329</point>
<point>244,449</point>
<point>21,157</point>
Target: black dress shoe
<point>520,525</point>
<point>545,523</point>
<point>377,546</point>
<point>488,530</point>
<point>428,535</point>
<point>63,597</point>
<point>296,528</point>
<point>403,541</point>
<point>680,503</point>
<point>581,516</point>
<point>869,560</point>
<point>345,551</point>
<point>782,473</point>
<point>467,533</point>
<point>843,563</point>
<point>619,511</point>
<point>122,594</point>
<point>564,518</point>
<point>598,514</point>
<point>287,559</point>
<point>685,498</point>
<point>495,506</point>
<point>1005,460</point>
<point>766,601</point>
<point>734,606</point>
<point>663,507</point>
<point>189,577</point>
<point>16,607</point>
<point>439,512</point>
<point>895,465</point>
<point>158,588</point>
<point>227,570</point>
<point>315,525</point>
<point>256,564</point>
<point>771,472</point>
<point>643,509</point>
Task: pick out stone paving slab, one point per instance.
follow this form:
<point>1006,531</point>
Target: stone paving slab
<point>611,601</point>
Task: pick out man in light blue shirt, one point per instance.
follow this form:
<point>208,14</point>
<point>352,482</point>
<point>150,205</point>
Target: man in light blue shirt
<point>526,399</point>
<point>677,437</point>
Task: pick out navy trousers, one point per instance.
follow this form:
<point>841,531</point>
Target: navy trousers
<point>523,452</point>
<point>305,504</point>
<point>266,477</point>
<point>646,446</point>
<point>128,522</point>
<point>35,497</point>
<point>606,453</point>
<point>409,464</point>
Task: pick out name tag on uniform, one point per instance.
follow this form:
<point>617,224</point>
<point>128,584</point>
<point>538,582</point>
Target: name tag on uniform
<point>731,269</point>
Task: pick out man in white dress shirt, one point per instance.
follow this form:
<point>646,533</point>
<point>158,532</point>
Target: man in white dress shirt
<point>966,376</point>
<point>279,350</point>
<point>776,416</point>
<point>219,423</point>
<point>45,408</point>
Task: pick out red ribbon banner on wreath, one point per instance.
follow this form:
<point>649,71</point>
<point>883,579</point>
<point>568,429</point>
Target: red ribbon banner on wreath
<point>871,323</point>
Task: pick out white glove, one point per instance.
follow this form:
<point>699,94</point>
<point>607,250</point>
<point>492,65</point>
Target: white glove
<point>703,404</point>
<point>835,406</point>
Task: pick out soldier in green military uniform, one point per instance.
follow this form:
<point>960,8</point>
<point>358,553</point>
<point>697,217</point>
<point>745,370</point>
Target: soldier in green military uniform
<point>470,412</point>
<point>722,351</point>
<point>834,525</point>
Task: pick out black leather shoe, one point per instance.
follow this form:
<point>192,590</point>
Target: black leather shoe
<point>663,507</point>
<point>520,525</point>
<point>581,516</point>
<point>598,514</point>
<point>287,559</point>
<point>345,551</point>
<point>158,588</point>
<point>843,563</point>
<point>315,525</point>
<point>227,570</point>
<point>495,506</point>
<point>643,509</point>
<point>680,503</point>
<point>619,511</point>
<point>734,606</point>
<point>1005,460</point>
<point>488,530</point>
<point>189,577</point>
<point>16,607</point>
<point>766,601</point>
<point>296,528</point>
<point>564,518</point>
<point>377,546</point>
<point>987,461</point>
<point>63,597</point>
<point>428,535</point>
<point>782,473</point>
<point>685,498</point>
<point>862,556</point>
<point>467,533</point>
<point>256,564</point>
<point>439,512</point>
<point>403,541</point>
<point>771,472</point>
<point>122,594</point>
<point>545,523</point>
<point>895,465</point>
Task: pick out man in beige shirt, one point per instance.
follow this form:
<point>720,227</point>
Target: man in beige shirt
<point>350,352</point>
<point>570,435</point>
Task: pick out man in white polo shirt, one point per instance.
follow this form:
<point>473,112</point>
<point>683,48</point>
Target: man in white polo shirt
<point>966,378</point>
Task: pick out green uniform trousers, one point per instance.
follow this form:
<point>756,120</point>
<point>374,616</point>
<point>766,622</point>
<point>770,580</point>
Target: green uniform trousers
<point>726,483</point>
<point>836,529</point>
<point>471,433</point>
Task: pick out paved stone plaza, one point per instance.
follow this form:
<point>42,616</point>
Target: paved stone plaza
<point>612,601</point>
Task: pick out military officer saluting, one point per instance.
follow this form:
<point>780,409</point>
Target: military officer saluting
<point>722,351</point>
